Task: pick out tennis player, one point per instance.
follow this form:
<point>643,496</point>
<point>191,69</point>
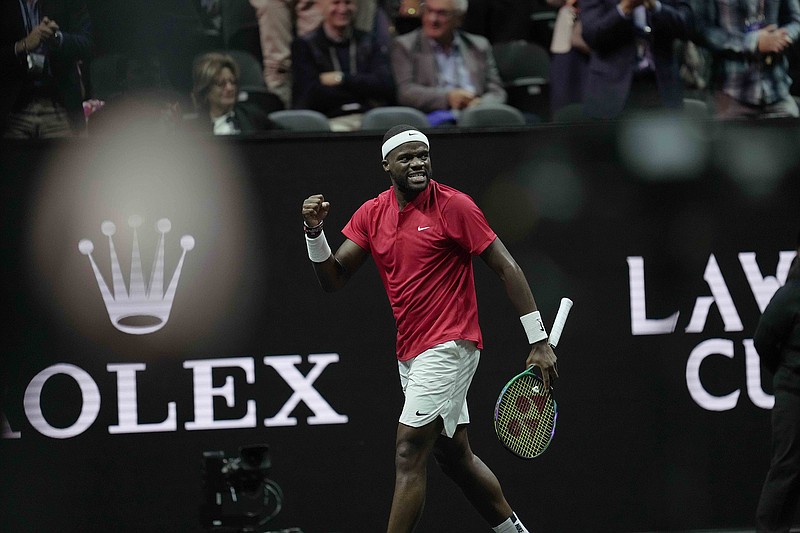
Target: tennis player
<point>422,236</point>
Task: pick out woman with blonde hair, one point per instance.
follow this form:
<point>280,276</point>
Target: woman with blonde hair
<point>215,94</point>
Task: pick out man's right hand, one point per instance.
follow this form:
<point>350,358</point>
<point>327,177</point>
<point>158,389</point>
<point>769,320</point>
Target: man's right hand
<point>315,209</point>
<point>773,40</point>
<point>44,32</point>
<point>459,98</point>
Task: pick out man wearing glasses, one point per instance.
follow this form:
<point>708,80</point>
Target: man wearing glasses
<point>440,69</point>
<point>215,95</point>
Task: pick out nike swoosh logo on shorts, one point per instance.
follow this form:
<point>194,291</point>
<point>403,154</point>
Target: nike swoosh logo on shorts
<point>421,228</point>
<point>422,414</point>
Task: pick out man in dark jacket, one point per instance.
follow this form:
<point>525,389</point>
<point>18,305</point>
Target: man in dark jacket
<point>633,64</point>
<point>340,70</point>
<point>41,47</point>
<point>777,341</point>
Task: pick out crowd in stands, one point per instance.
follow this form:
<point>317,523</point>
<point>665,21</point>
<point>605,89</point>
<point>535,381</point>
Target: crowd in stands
<point>554,60</point>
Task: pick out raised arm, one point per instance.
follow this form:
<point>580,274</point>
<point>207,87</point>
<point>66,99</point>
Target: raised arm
<point>332,270</point>
<point>519,292</point>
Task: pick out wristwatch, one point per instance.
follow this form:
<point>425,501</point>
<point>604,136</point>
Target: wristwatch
<point>339,77</point>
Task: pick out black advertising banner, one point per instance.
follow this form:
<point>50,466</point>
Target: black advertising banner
<point>163,317</point>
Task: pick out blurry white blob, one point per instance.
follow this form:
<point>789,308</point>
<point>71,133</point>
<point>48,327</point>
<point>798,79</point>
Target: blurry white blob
<point>196,184</point>
<point>662,147</point>
<point>540,189</point>
<point>756,159</point>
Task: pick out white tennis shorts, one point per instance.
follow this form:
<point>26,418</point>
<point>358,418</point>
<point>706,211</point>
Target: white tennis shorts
<point>435,383</point>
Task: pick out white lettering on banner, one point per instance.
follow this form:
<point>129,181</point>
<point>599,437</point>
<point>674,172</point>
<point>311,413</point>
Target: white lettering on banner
<point>640,324</point>
<point>90,404</point>
<point>727,402</point>
<point>753,371</point>
<point>127,403</point>
<point>323,412</point>
<point>7,432</point>
<point>721,296</point>
<point>696,389</point>
<point>762,287</point>
<point>204,393</point>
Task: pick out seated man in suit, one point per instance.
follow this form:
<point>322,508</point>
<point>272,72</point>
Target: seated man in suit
<point>632,64</point>
<point>442,70</point>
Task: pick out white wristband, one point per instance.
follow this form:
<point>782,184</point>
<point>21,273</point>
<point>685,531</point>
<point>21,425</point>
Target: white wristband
<point>534,327</point>
<point>318,249</point>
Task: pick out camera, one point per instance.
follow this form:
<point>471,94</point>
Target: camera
<point>238,494</point>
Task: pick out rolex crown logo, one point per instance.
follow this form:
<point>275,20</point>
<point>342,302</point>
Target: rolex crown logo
<point>149,304</point>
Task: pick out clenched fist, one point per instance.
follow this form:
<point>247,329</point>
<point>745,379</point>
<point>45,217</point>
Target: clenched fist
<point>315,209</point>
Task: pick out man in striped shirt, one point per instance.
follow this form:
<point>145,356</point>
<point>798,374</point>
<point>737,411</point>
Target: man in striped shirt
<point>748,40</point>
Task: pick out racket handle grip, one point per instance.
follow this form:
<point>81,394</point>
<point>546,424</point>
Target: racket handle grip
<point>558,324</point>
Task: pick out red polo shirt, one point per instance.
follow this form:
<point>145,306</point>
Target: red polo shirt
<point>424,257</point>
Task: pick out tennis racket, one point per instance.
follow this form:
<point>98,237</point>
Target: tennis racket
<point>525,413</point>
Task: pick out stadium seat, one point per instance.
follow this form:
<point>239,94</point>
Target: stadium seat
<point>695,108</point>
<point>384,118</point>
<point>524,68</point>
<point>491,115</point>
<point>300,120</point>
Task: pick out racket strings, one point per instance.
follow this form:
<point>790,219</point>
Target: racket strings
<point>525,418</point>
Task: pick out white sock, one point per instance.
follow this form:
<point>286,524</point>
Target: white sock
<point>511,525</point>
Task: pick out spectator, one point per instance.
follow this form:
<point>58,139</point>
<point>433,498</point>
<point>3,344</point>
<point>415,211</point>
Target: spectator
<point>569,56</point>
<point>633,64</point>
<point>340,70</point>
<point>41,47</point>
<point>750,70</point>
<point>279,21</point>
<point>215,96</point>
<point>442,70</point>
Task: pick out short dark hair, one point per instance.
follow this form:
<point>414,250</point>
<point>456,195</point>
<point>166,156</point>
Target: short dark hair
<point>397,129</point>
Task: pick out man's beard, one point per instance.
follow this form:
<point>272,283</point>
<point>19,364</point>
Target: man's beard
<point>402,183</point>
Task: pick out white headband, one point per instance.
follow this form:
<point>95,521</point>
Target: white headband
<point>403,137</point>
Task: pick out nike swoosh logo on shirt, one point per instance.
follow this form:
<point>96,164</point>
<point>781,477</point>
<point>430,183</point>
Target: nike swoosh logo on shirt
<point>421,228</point>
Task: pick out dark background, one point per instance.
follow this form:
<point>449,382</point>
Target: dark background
<point>632,451</point>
